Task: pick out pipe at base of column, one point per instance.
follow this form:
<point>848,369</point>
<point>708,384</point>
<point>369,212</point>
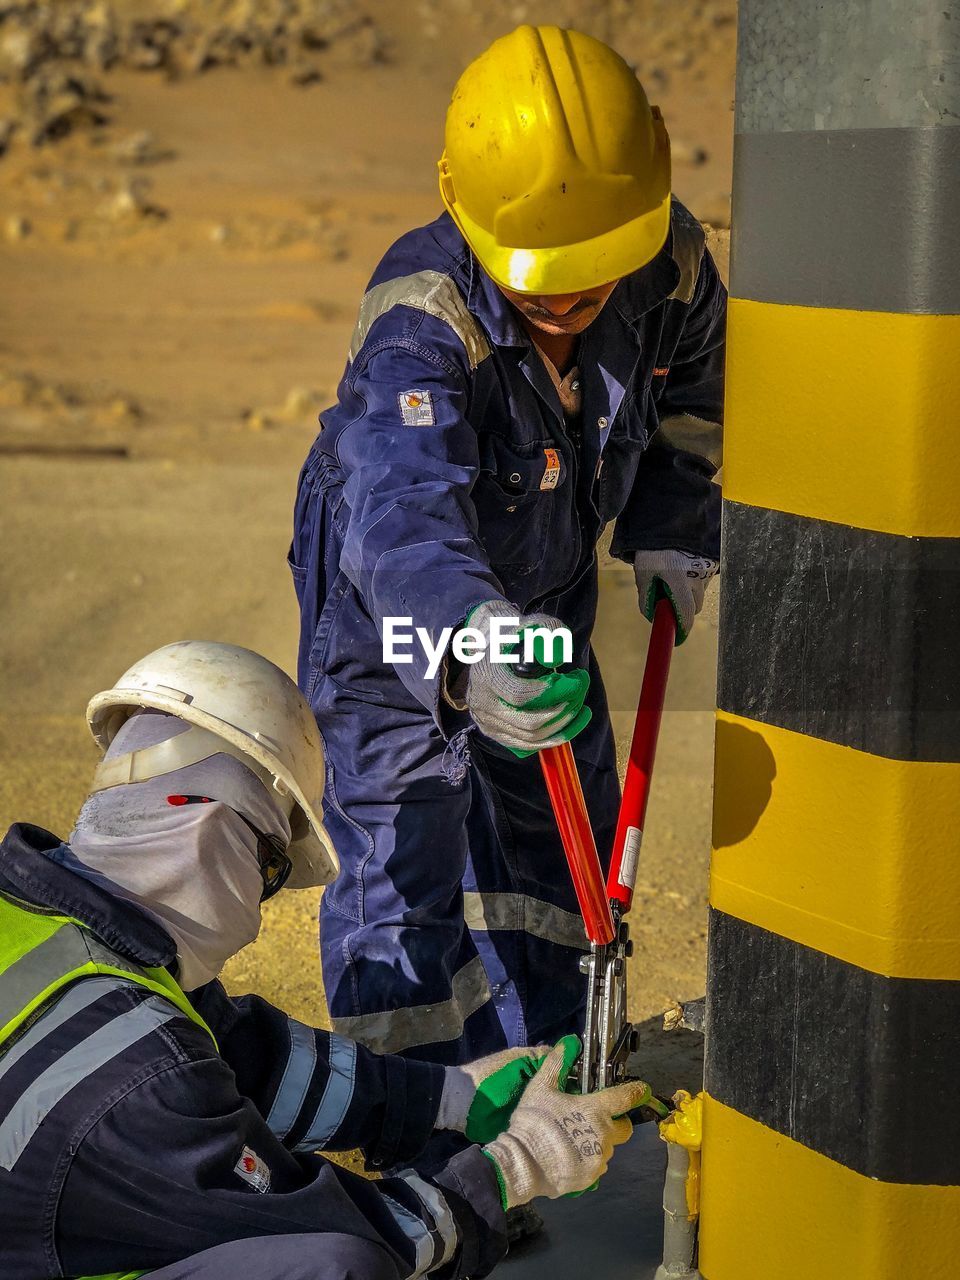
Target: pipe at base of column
<point>682,1132</point>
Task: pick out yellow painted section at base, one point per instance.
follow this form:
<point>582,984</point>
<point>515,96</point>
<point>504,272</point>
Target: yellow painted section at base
<point>772,1209</point>
<point>847,416</point>
<point>849,853</point>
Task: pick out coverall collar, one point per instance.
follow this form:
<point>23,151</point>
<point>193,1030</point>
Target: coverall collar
<point>639,293</point>
<point>492,309</point>
<point>29,873</point>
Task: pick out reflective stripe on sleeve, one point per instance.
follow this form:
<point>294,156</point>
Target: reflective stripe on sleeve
<point>689,243</point>
<point>61,1077</point>
<point>443,1221</point>
<point>694,435</point>
<point>76,999</point>
<point>337,1095</point>
<point>428,291</point>
<point>418,1233</point>
<point>297,1074</point>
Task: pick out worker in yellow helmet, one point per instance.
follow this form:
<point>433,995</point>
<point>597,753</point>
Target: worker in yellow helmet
<point>556,168</point>
<point>542,360</point>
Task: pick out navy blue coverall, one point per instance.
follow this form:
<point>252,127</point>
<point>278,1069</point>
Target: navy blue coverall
<point>125,1135</point>
<point>453,927</point>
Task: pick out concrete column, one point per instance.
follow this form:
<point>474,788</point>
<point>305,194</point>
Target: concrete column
<point>832,1122</point>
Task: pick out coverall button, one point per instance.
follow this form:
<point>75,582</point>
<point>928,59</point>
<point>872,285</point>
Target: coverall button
<point>601,423</point>
<point>515,478</point>
<point>513,508</point>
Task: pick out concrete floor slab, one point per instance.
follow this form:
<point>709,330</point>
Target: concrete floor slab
<point>613,1233</point>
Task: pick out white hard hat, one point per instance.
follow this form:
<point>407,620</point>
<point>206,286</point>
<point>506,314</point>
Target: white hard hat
<point>243,705</point>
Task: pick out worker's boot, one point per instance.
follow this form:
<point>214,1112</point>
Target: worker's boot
<point>523,1223</point>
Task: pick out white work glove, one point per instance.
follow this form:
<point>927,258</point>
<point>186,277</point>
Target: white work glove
<point>560,1143</point>
<point>525,714</point>
<point>479,1097</point>
<point>682,577</point>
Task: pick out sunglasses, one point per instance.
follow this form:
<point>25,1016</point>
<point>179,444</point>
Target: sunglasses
<point>275,866</point>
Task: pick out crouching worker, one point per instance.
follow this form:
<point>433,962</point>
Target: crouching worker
<point>150,1124</point>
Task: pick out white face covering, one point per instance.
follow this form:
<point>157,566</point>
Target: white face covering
<point>192,866</point>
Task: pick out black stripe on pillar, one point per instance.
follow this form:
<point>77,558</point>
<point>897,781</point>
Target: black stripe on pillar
<point>845,634</point>
<point>822,219</point>
<point>794,1035</point>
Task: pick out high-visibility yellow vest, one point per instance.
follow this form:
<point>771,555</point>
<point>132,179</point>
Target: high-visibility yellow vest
<point>41,954</point>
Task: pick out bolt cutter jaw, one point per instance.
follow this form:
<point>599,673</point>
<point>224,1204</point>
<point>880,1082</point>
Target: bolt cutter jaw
<point>608,1037</point>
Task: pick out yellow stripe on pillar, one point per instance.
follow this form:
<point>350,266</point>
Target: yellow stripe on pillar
<point>848,416</point>
<point>772,1209</point>
<point>821,843</point>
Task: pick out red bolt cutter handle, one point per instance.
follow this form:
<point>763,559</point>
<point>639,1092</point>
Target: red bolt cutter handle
<point>643,750</point>
<point>569,809</point>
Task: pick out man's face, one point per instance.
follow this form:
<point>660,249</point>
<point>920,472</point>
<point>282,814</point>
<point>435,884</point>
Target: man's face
<point>561,314</point>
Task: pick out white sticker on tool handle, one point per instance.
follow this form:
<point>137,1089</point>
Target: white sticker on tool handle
<point>631,858</point>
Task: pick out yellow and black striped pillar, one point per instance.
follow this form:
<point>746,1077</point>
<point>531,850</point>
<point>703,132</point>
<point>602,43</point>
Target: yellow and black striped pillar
<point>832,1118</point>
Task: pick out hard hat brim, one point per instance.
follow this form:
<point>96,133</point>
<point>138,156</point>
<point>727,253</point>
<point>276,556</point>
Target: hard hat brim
<point>574,268</point>
<point>311,850</point>
<point>314,862</point>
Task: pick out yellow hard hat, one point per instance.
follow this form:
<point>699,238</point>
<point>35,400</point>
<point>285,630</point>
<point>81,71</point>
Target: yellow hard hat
<point>556,168</point>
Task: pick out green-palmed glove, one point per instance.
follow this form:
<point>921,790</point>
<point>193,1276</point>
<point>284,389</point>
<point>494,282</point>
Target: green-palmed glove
<point>681,577</point>
<point>479,1098</point>
<point>557,1143</point>
<point>524,713</point>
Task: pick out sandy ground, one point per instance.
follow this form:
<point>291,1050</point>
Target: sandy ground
<point>167,333</point>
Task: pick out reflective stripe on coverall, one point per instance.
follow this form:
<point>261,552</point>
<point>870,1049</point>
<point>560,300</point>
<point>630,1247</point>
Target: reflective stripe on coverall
<point>432,486</point>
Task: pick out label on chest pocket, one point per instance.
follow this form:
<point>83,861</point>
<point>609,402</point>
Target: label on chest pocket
<point>551,472</point>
